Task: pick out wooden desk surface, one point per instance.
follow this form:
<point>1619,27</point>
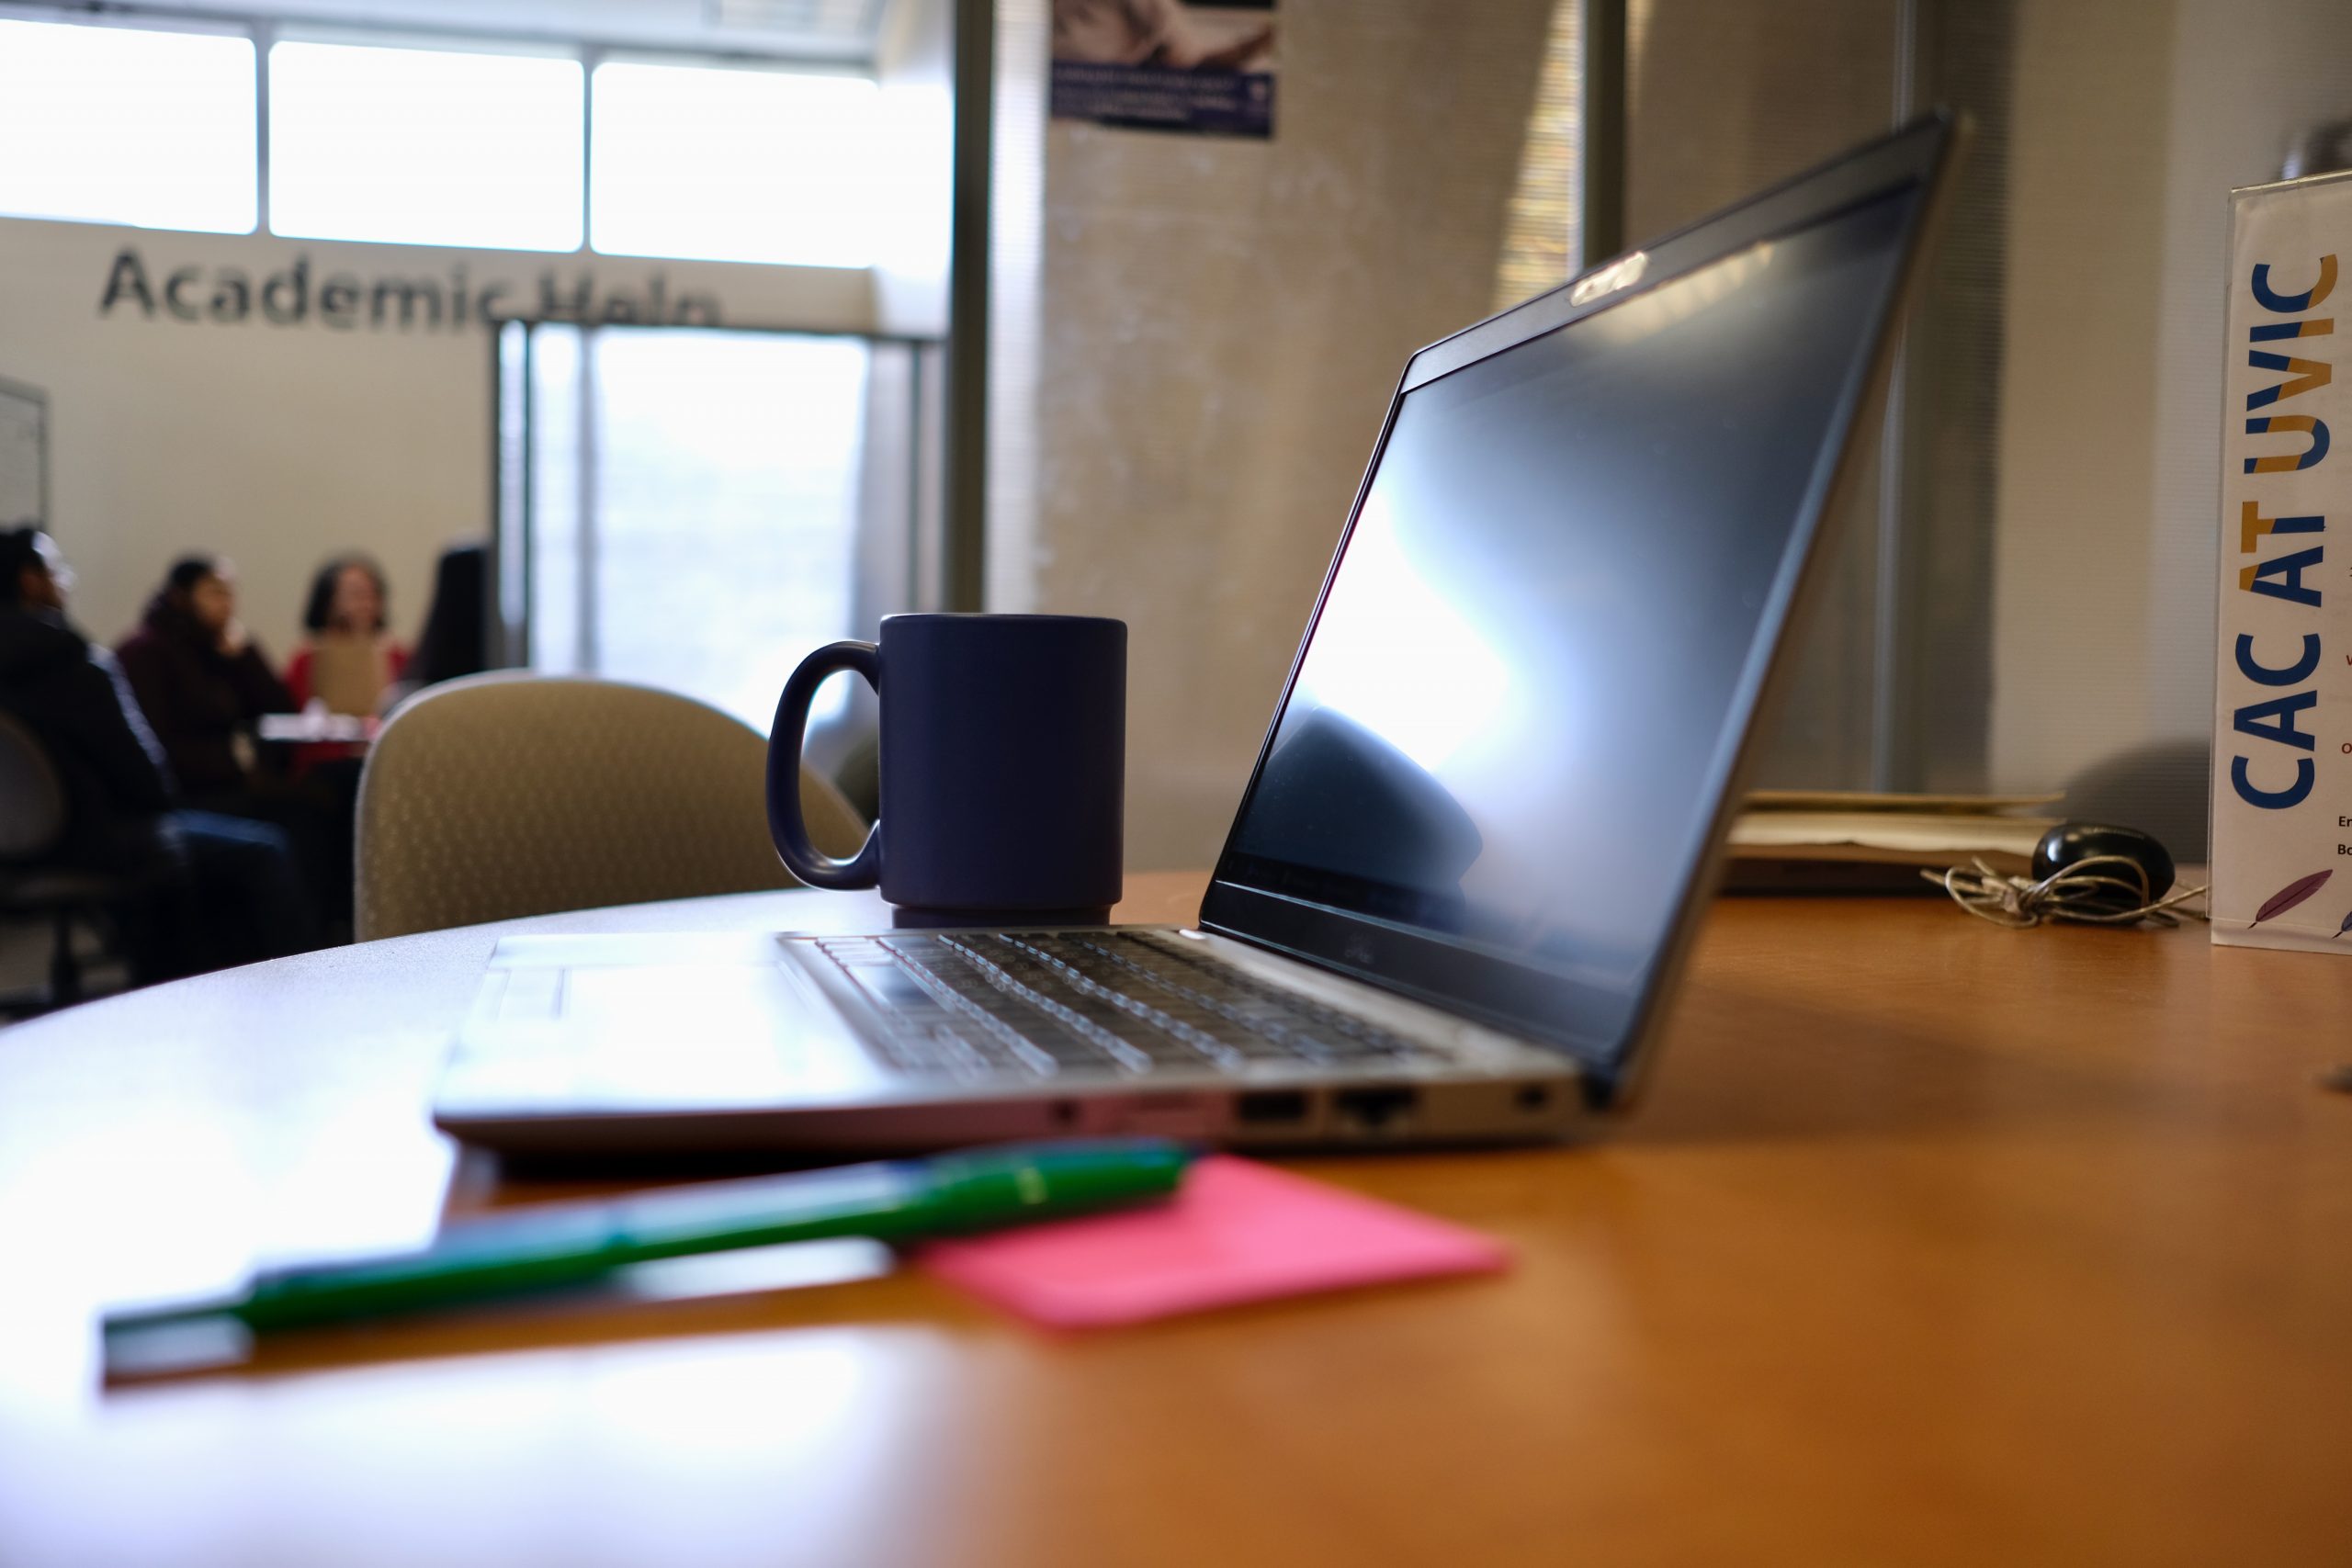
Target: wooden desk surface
<point>1936,1244</point>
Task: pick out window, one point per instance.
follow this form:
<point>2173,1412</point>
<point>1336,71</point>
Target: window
<point>738,165</point>
<point>482,146</point>
<point>693,513</point>
<point>120,125</point>
<point>425,146</point>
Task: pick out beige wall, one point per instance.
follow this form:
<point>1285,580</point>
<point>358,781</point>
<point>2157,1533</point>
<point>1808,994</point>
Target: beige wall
<point>280,444</point>
<point>2134,118</point>
<point>1221,324</point>
<point>2077,436</point>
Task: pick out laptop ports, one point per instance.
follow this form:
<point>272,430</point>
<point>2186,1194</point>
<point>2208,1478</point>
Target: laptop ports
<point>1374,1108</point>
<point>1271,1107</point>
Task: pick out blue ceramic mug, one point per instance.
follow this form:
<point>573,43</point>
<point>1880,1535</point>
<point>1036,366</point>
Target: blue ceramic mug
<point>1003,768</point>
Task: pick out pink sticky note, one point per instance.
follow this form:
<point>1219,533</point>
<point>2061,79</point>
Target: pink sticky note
<point>1236,1231</point>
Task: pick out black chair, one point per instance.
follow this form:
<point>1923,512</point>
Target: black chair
<point>32,821</point>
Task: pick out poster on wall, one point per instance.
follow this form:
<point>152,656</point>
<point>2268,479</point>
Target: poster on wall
<point>24,455</point>
<point>1166,65</point>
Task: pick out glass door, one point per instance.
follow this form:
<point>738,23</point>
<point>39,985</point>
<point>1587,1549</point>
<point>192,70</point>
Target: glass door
<point>697,508</point>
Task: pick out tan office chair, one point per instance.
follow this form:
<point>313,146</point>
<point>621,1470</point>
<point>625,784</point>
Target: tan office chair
<point>507,794</point>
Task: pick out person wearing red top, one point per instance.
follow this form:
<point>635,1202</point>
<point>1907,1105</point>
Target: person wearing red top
<point>349,662</point>
<point>349,665</point>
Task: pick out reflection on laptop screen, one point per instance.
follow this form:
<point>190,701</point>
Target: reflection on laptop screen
<point>1507,725</point>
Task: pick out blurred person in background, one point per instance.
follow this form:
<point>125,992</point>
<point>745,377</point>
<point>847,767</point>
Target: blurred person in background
<point>456,628</point>
<point>348,661</point>
<point>204,684</point>
<point>213,889</point>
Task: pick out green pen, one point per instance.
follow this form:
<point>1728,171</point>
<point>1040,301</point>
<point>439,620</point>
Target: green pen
<point>554,1246</point>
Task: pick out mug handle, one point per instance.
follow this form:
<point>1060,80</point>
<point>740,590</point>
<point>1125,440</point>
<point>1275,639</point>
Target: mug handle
<point>785,823</point>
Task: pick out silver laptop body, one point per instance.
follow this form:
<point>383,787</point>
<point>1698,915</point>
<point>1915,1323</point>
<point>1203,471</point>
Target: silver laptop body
<point>1486,819</point>
<point>655,1044</point>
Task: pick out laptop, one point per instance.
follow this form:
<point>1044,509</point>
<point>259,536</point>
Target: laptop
<point>1484,823</point>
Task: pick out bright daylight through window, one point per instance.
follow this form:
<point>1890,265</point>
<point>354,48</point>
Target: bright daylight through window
<point>121,125</point>
<point>705,543</point>
<point>476,147</point>
<point>425,146</point>
<point>728,164</point>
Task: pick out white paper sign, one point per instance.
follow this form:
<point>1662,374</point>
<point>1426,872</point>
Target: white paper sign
<point>2282,722</point>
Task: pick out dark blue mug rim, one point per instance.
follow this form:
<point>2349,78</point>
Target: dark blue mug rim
<point>993,615</point>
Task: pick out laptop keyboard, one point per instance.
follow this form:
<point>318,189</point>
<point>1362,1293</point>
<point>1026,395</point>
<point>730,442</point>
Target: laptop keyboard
<point>1094,1003</point>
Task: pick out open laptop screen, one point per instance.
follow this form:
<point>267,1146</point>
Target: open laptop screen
<point>1508,728</point>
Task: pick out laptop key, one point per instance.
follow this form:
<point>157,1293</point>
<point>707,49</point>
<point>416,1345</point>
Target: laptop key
<point>929,1053</point>
<point>894,989</point>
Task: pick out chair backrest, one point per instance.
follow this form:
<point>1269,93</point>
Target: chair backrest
<point>507,794</point>
<point>32,798</point>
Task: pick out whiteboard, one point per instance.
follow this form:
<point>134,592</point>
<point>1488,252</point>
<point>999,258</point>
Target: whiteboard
<point>24,455</point>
